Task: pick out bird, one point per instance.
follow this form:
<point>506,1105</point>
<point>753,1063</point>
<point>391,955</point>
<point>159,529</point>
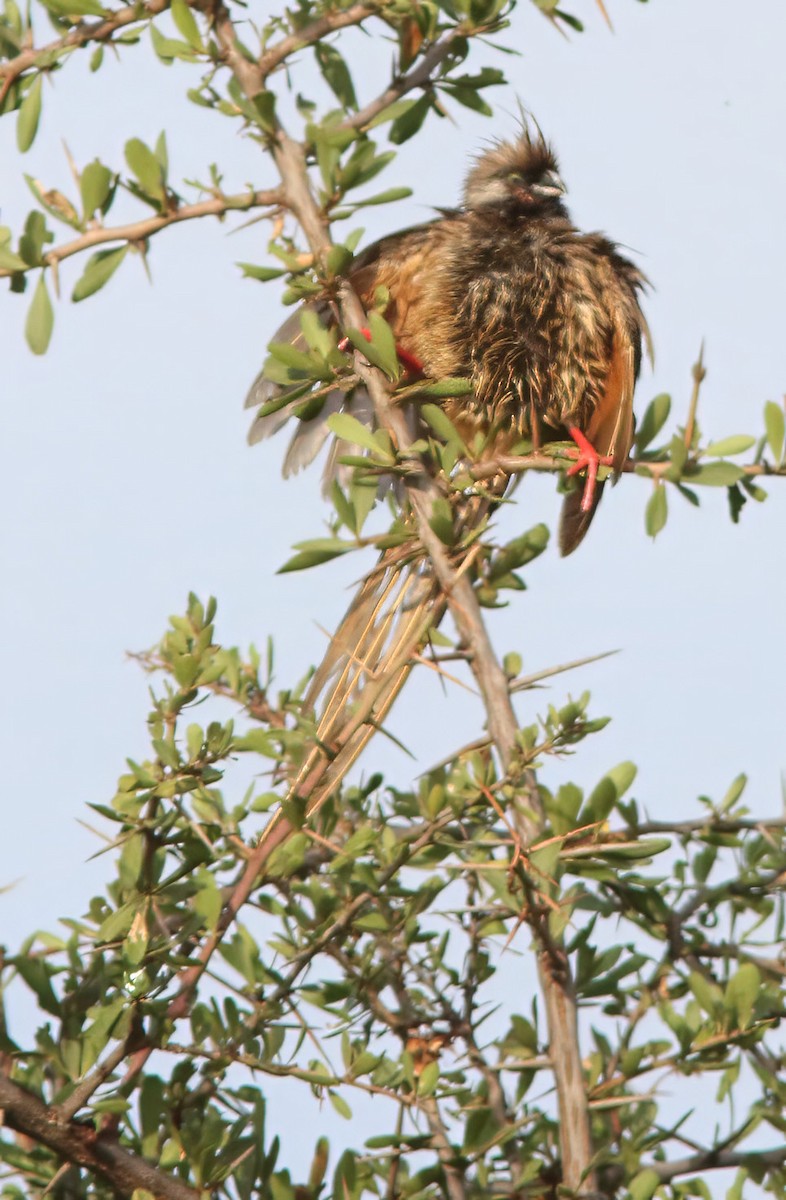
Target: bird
<point>543,321</point>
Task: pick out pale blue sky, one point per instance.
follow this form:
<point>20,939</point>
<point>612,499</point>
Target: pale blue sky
<point>126,480</point>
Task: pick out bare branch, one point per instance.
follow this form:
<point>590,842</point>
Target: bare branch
<point>709,824</point>
<point>82,34</point>
<point>81,1144</point>
<point>717,1160</point>
<point>554,459</point>
<point>139,231</point>
<point>270,59</point>
<point>454,1176</point>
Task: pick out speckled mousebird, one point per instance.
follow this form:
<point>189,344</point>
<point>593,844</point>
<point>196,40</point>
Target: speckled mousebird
<point>505,291</point>
<point>544,321</point>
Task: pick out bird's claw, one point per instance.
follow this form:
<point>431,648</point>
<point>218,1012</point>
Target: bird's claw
<point>587,458</point>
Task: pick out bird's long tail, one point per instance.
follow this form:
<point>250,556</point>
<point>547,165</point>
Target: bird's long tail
<point>370,656</point>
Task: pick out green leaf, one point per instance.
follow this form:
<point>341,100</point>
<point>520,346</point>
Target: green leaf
<point>40,318</point>
<point>409,121</point>
<point>518,552</point>
<point>336,74</point>
<point>735,1192</point>
<point>186,24</point>
<point>340,1105</point>
<point>608,792</point>
<point>381,349</point>
<point>655,417</point>
<point>73,9</point>
<point>388,197</point>
<point>95,185</point>
<point>34,238</point>
<point>264,110</point>
<point>441,423</point>
<point>742,991</point>
<point>439,388</point>
<point>29,116</point>
<point>644,1185</point>
<point>10,261</point>
<point>429,1078</point>
<point>318,338</point>
<point>441,521</point>
<point>37,977</point>
<point>311,554</point>
<point>470,99</point>
<point>708,994</point>
<point>168,49</point>
<point>728,446</point>
<point>717,474</point>
<point>145,167</point>
<point>350,429</point>
<point>657,511</point>
<point>736,788</point>
<point>264,274</point>
<point>775,425</point>
<point>99,270</point>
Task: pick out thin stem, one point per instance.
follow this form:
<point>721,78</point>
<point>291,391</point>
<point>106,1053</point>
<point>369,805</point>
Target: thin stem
<point>139,231</point>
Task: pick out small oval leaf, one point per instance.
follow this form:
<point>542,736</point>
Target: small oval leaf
<point>657,511</point>
<point>40,318</point>
<point>775,425</point>
<point>100,268</point>
<point>726,447</point>
<point>29,116</point>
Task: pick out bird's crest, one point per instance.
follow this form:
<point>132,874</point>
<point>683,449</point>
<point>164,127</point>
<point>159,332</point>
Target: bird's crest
<point>527,161</point>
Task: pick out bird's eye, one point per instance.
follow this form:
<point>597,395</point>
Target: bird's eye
<point>516,177</point>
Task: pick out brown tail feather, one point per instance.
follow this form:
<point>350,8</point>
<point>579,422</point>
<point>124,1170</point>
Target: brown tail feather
<point>367,663</point>
<point>573,522</point>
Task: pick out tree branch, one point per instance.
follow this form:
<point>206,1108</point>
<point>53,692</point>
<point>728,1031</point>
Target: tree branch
<point>81,1144</point>
<point>717,1160</point>
<point>456,587</point>
<point>270,59</point>
<point>139,231</point>
<point>710,824</point>
<point>419,77</point>
<point>81,35</point>
<point>554,459</point>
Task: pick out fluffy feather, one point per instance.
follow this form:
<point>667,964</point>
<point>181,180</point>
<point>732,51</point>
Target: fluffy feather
<point>544,320</point>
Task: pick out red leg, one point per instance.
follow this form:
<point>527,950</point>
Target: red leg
<point>587,458</point>
<point>411,364</point>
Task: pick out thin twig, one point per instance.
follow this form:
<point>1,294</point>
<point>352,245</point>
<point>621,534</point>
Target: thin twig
<point>83,34</point>
<point>421,76</point>
<point>714,1160</point>
<point>277,54</point>
<point>140,231</point>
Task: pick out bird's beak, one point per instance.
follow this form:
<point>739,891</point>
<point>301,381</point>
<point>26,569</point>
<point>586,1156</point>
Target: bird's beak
<point>550,185</point>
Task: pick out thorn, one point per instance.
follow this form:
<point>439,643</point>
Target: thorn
<point>606,16</point>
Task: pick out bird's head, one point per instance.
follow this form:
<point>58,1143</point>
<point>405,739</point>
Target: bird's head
<point>523,174</point>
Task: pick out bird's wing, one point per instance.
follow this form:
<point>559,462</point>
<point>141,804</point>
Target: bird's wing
<point>390,262</point>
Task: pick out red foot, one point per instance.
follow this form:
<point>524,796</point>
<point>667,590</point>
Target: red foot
<point>587,458</point>
<point>411,364</point>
